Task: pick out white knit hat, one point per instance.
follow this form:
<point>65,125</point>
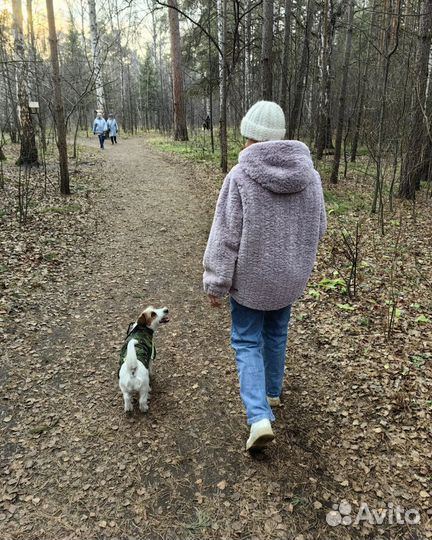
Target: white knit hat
<point>264,121</point>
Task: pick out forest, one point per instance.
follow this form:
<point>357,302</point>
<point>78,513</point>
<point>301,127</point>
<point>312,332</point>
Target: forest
<point>91,231</point>
<point>352,78</point>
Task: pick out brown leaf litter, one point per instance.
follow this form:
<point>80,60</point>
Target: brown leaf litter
<point>355,422</point>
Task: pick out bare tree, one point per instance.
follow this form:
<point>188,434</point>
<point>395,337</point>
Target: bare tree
<point>283,97</point>
<point>58,102</point>
<point>302,72</point>
<point>28,152</point>
<point>418,138</point>
<point>362,87</point>
<point>390,43</point>
<point>8,87</point>
<point>34,76</point>
<point>95,40</point>
<point>342,96</point>
<point>223,87</point>
<point>267,51</point>
<point>180,127</point>
<point>330,15</point>
<point>210,77</point>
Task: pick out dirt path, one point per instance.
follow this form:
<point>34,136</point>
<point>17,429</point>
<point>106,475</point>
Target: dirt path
<point>81,469</point>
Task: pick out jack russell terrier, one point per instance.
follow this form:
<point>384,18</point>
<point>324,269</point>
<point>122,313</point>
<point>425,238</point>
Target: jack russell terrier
<point>137,355</point>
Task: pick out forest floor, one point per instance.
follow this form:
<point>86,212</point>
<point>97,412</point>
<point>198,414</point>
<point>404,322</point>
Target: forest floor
<point>355,426</point>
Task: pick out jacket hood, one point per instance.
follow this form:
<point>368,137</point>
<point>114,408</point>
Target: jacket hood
<point>279,166</point>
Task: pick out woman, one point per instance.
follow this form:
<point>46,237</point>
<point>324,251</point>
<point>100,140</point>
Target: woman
<point>112,128</point>
<point>261,250</point>
<point>99,128</point>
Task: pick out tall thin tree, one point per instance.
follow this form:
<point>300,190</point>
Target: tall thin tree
<point>35,76</point>
<point>210,77</point>
<point>8,69</point>
<point>331,13</point>
<point>28,152</point>
<point>342,96</point>
<point>97,64</point>
<point>390,38</point>
<point>58,102</point>
<point>362,86</point>
<point>180,127</point>
<point>418,137</point>
<point>267,51</point>
<point>283,96</point>
<point>302,72</point>
<point>223,83</point>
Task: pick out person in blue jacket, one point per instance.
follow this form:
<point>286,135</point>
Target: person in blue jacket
<point>113,128</point>
<point>99,128</point>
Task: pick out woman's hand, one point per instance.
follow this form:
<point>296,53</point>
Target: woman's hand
<point>215,301</point>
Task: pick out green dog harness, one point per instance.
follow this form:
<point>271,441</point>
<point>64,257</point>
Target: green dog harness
<point>145,350</point>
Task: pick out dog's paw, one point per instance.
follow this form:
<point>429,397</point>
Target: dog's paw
<point>143,407</point>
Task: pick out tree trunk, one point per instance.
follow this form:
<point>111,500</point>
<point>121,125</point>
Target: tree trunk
<point>324,132</point>
<point>58,103</point>
<point>158,66</point>
<point>283,98</point>
<point>28,151</point>
<point>7,70</point>
<point>35,75</point>
<point>130,104</point>
<point>342,97</point>
<point>266,51</point>
<point>362,90</point>
<point>120,58</point>
<point>302,72</point>
<point>180,127</point>
<point>210,78</point>
<point>390,45</point>
<point>414,166</point>
<point>222,35</point>
<point>97,66</point>
<point>248,63</point>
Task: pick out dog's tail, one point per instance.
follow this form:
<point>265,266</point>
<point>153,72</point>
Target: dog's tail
<point>131,359</point>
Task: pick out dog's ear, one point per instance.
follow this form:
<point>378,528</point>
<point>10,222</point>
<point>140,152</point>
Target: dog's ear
<point>143,319</point>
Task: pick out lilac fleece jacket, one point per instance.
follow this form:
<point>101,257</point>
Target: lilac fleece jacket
<point>268,221</point>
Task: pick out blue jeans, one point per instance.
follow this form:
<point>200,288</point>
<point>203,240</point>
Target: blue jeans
<point>259,339</point>
<point>101,139</point>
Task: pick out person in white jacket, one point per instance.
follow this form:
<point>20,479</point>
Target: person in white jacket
<point>99,128</point>
<point>112,128</point>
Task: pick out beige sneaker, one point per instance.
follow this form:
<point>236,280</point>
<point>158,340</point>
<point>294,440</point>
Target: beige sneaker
<point>273,401</point>
<point>261,433</point>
